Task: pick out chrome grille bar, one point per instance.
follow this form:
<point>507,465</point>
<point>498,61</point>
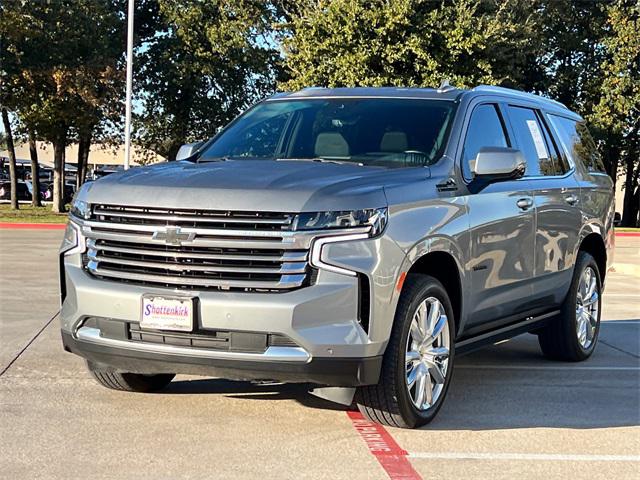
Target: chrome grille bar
<point>134,249</point>
<point>285,268</point>
<point>285,282</point>
<point>179,217</point>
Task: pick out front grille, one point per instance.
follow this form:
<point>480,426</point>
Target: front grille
<point>197,249</point>
<point>222,340</point>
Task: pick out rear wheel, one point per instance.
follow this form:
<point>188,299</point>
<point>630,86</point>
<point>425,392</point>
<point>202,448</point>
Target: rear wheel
<point>574,334</point>
<point>129,382</point>
<point>418,363</point>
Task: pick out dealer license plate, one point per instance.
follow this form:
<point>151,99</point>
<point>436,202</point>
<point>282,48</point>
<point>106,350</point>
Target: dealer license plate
<point>167,313</point>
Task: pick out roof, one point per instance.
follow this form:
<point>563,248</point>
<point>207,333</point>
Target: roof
<point>445,93</point>
<point>380,92</point>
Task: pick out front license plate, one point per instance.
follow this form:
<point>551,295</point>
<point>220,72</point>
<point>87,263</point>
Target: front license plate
<point>167,313</point>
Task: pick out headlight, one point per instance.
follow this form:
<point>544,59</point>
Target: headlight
<point>81,209</point>
<point>73,240</point>
<point>376,218</point>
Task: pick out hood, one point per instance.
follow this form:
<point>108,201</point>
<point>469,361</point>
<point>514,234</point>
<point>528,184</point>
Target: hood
<point>251,185</point>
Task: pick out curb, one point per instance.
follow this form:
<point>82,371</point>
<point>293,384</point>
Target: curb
<point>627,234</point>
<point>33,226</point>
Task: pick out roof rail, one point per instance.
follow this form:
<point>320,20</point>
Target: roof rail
<point>517,93</point>
<point>445,86</point>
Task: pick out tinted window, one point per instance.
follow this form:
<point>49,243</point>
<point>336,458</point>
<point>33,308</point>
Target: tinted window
<point>536,147</point>
<point>578,141</point>
<point>560,163</point>
<point>485,130</point>
<point>371,131</point>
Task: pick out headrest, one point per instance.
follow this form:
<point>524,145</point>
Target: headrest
<point>331,144</point>
<point>394,142</point>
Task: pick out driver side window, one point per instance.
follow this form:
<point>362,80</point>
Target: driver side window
<point>485,130</point>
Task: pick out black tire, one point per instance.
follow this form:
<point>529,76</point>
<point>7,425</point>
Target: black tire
<point>389,402</point>
<point>129,382</point>
<point>559,339</point>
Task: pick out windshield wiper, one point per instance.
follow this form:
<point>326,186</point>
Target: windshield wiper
<point>224,158</point>
<point>320,160</point>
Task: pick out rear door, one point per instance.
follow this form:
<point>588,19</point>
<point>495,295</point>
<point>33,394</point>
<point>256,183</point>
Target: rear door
<point>556,196</point>
<point>501,219</point>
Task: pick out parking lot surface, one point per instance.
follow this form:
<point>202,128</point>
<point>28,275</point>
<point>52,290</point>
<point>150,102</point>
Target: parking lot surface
<point>509,414</point>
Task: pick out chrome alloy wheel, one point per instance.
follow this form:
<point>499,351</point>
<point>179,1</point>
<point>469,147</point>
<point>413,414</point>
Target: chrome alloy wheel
<point>587,305</point>
<point>427,353</point>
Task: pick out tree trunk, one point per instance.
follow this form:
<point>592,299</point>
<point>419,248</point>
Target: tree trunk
<point>58,172</point>
<point>12,160</point>
<point>35,170</point>
<point>631,187</point>
<point>84,145</point>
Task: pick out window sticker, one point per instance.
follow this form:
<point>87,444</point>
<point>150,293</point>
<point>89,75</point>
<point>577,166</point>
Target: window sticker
<point>538,141</point>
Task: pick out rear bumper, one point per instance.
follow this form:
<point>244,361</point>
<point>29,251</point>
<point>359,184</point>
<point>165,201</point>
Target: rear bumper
<point>339,372</point>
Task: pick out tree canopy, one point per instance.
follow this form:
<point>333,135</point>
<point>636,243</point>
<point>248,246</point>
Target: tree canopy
<point>200,63</point>
<point>412,43</point>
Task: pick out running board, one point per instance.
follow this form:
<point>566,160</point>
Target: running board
<point>470,344</point>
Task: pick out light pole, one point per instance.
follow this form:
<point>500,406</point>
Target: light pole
<point>127,121</point>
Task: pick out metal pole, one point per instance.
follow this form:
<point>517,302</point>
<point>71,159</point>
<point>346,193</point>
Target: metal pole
<point>127,122</point>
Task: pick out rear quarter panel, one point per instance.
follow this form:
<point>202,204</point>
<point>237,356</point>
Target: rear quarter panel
<point>597,207</point>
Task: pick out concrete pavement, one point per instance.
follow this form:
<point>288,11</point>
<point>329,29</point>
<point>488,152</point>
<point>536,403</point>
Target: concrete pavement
<point>510,413</point>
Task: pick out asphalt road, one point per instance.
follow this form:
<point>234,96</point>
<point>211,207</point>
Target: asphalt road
<point>510,413</point>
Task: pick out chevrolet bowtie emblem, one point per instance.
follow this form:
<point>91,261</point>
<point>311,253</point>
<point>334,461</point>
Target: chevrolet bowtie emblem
<point>173,236</point>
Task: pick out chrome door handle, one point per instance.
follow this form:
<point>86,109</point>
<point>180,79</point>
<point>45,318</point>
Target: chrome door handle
<point>525,203</point>
<point>571,199</point>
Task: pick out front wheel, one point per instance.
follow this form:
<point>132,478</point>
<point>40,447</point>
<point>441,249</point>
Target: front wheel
<point>574,334</point>
<point>129,382</point>
<point>418,363</point>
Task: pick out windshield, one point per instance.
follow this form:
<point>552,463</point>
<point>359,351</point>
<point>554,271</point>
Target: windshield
<point>368,131</point>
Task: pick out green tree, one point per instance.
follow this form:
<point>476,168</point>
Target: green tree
<point>60,67</point>
<point>412,43</point>
<point>618,110</point>
<point>202,64</point>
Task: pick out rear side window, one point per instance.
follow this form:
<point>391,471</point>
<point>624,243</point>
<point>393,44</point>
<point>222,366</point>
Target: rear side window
<point>578,142</point>
<point>534,142</point>
<point>485,130</point>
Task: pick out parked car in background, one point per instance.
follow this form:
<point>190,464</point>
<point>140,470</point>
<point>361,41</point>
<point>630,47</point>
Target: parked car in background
<point>46,191</point>
<point>358,238</point>
<point>23,191</point>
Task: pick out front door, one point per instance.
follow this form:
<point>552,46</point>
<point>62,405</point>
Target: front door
<point>502,230</point>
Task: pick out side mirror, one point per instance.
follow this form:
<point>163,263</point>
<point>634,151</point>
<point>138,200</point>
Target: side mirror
<point>499,163</point>
<point>187,150</point>
<point>617,219</point>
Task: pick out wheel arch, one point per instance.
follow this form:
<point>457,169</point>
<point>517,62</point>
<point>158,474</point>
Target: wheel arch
<point>593,244</point>
<point>443,267</point>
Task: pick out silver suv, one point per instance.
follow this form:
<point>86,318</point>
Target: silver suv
<point>352,238</point>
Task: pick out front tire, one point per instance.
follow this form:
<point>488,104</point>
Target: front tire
<point>418,364</point>
<point>129,382</point>
<point>574,334</point>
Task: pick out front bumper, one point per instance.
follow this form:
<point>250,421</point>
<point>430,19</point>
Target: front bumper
<point>339,372</point>
<point>333,348</point>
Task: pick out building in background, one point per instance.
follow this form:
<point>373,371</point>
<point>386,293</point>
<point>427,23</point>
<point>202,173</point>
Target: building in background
<point>100,157</point>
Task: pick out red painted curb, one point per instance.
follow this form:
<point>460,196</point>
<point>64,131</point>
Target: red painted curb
<point>33,226</point>
<point>627,234</point>
<point>391,457</point>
